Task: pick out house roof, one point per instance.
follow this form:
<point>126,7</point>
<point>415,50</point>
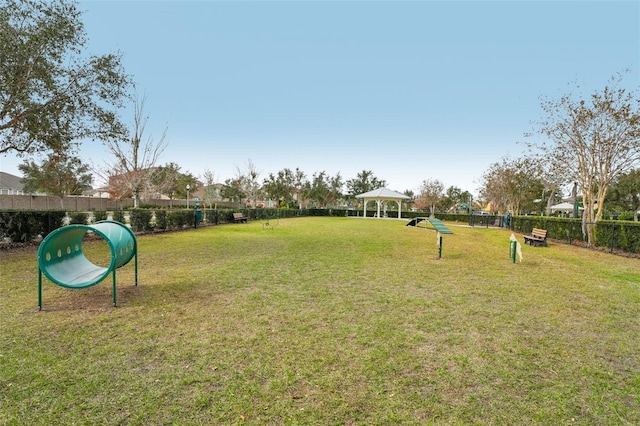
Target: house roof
<point>383,194</point>
<point>9,181</point>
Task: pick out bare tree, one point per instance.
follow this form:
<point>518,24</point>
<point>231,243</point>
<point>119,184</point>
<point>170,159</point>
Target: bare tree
<point>209,193</point>
<point>130,172</point>
<point>595,140</point>
<point>247,180</point>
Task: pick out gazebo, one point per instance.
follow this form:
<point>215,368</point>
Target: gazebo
<point>381,195</point>
<point>566,208</point>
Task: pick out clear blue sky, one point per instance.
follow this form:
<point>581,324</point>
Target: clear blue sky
<point>410,90</point>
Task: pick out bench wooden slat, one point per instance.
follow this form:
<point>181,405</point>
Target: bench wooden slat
<point>239,217</point>
<point>538,237</point>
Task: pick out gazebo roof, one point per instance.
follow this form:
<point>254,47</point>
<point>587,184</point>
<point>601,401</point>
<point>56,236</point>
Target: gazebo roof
<point>566,207</point>
<point>383,194</point>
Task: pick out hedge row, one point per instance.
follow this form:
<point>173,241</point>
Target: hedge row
<point>26,226</point>
<point>610,234</point>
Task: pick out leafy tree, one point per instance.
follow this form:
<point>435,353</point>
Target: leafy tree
<point>364,181</point>
<point>280,187</point>
<point>409,203</point>
<point>335,189</point>
<point>51,94</point>
<point>180,181</point>
<point>165,180</point>
<point>510,184</point>
<point>451,200</point>
<point>595,140</point>
<point>134,158</point>
<point>59,175</point>
<point>232,191</point>
<point>286,186</point>
<point>183,180</point>
<point>299,182</point>
<point>429,194</point>
<point>324,190</point>
<point>624,193</point>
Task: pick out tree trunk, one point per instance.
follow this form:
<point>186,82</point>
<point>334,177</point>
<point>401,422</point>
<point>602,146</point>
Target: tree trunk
<point>549,203</point>
<point>587,201</point>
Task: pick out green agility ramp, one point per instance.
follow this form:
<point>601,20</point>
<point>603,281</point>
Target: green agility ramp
<point>436,223</point>
<point>415,221</point>
<point>61,259</point>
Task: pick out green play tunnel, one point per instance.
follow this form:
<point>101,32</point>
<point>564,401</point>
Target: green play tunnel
<point>62,260</point>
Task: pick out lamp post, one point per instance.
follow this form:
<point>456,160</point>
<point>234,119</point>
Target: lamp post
<point>188,188</point>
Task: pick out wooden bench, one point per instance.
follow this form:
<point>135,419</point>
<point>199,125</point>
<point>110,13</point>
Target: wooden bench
<point>239,217</point>
<point>538,237</point>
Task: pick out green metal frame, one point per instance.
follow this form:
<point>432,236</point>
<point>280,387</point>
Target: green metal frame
<point>437,224</point>
<point>62,261</point>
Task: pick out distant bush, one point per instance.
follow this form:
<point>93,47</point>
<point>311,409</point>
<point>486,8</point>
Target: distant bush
<point>118,215</point>
<point>99,215</point>
<point>25,226</point>
<point>149,206</point>
<point>79,218</point>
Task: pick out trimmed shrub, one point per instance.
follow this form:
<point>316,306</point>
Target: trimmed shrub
<point>99,215</point>
<point>161,219</point>
<point>178,219</point>
<point>140,220</point>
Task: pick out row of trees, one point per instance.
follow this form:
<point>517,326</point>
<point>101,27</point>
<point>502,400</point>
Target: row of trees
<point>514,185</point>
<point>290,188</point>
<point>295,189</point>
<point>53,96</point>
<point>589,142</point>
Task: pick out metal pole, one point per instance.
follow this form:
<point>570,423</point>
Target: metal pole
<point>114,287</point>
<point>136,263</point>
<point>39,288</point>
<point>513,251</point>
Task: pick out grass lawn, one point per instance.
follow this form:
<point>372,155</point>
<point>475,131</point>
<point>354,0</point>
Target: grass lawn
<point>326,321</point>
